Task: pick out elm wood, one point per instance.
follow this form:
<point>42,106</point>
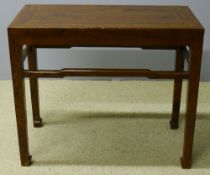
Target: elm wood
<point>159,48</point>
<point>19,99</point>
<point>105,16</point>
<point>193,87</point>
<point>122,26</point>
<point>107,72</point>
<point>102,38</point>
<point>32,64</point>
<point>179,67</point>
<point>109,26</point>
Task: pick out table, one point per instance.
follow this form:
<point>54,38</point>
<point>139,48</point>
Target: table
<point>66,26</point>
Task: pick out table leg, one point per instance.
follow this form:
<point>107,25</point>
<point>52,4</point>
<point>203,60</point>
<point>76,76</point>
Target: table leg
<point>193,85</point>
<point>19,99</point>
<point>32,63</point>
<point>179,67</point>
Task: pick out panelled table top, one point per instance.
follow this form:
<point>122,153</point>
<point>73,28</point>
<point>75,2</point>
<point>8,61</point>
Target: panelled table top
<point>105,17</point>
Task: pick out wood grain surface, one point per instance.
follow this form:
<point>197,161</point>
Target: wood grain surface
<point>105,16</point>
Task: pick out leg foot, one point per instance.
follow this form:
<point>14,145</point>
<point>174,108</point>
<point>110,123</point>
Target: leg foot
<point>185,164</point>
<point>27,162</point>
<point>174,124</point>
<point>38,123</point>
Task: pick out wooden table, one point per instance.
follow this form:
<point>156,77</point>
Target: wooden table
<point>65,26</point>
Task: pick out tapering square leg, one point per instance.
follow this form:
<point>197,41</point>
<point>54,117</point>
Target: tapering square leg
<point>19,99</point>
<point>179,67</point>
<point>32,63</point>
<point>193,85</point>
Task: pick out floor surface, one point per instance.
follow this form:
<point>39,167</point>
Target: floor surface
<point>104,127</point>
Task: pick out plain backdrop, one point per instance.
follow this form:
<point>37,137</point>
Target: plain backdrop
<point>103,57</point>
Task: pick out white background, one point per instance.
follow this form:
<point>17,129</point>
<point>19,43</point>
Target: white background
<point>102,58</point>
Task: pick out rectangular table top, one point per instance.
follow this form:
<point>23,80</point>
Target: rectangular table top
<point>105,17</point>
